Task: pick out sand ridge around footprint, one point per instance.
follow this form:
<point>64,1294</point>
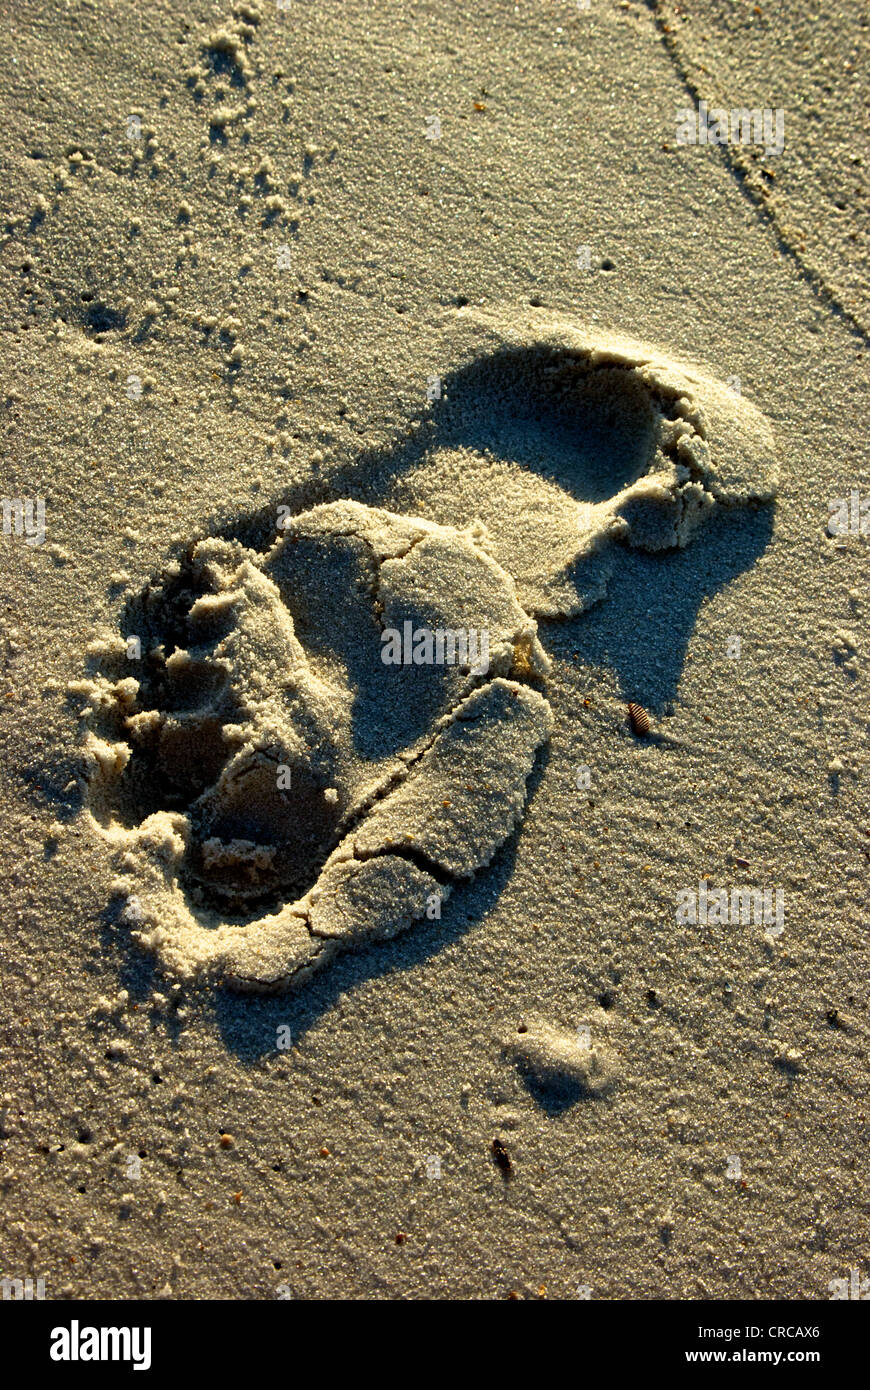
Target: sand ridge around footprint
<point>275,790</point>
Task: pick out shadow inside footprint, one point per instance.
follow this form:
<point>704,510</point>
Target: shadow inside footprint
<point>392,706</point>
<point>590,431</point>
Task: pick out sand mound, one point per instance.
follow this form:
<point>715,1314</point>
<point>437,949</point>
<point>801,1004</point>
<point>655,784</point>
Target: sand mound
<point>578,1059</point>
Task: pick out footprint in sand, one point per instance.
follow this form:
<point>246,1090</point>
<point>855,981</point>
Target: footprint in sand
<point>320,737</point>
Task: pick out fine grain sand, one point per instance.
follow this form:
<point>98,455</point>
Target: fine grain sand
<point>328,976</point>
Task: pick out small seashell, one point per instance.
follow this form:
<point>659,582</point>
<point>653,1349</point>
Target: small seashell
<point>639,719</point>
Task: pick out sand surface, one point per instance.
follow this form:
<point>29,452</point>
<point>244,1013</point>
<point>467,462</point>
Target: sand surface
<point>321,319</point>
